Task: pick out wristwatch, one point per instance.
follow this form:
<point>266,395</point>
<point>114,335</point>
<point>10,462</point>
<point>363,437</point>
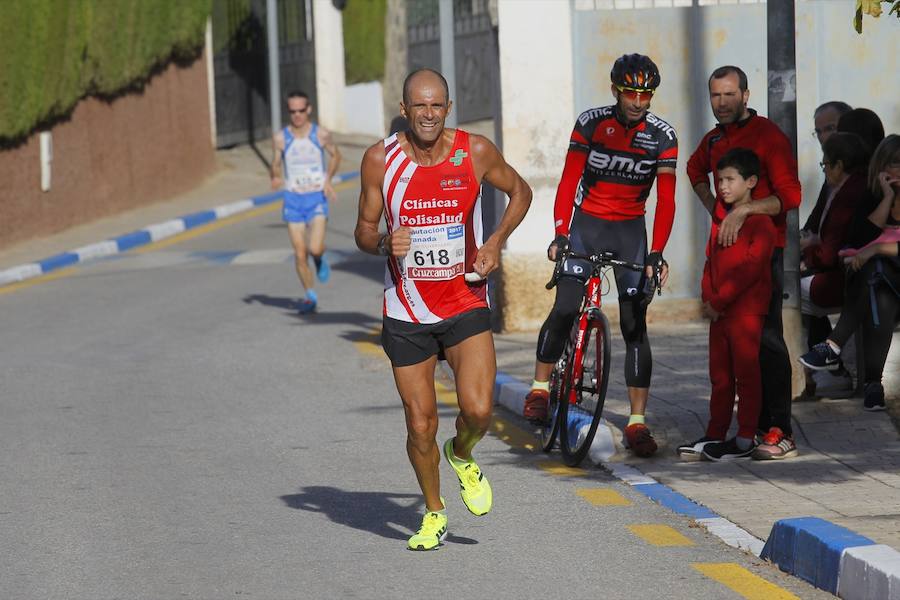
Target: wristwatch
<point>382,249</point>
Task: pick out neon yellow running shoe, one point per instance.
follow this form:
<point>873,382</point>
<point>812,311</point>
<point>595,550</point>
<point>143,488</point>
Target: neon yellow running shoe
<point>431,533</point>
<point>474,488</point>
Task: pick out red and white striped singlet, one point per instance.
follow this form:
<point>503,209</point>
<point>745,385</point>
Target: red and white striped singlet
<point>441,205</point>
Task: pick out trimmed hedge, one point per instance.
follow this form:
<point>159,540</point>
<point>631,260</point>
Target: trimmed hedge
<point>364,40</point>
<point>55,52</point>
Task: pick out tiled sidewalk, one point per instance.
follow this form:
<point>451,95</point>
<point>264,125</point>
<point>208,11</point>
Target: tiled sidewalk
<point>848,471</point>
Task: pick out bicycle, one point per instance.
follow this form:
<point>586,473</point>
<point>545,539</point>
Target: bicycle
<point>581,375</point>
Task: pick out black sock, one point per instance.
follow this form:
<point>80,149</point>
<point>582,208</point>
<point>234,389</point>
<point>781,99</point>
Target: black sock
<point>317,260</point>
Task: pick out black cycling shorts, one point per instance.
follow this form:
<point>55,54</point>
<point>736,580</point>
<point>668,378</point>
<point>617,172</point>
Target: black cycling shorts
<point>408,343</point>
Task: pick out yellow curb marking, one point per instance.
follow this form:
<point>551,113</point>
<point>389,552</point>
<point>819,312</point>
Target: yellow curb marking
<point>603,497</point>
<point>742,581</point>
<point>660,535</point>
<point>370,344</point>
<point>14,287</point>
<point>557,469</point>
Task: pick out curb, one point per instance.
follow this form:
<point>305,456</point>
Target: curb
<point>821,553</point>
<point>141,237</point>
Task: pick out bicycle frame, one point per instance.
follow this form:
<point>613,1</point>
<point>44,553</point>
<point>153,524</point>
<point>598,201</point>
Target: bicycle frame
<point>590,306</point>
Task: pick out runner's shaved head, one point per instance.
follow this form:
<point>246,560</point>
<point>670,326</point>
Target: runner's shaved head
<point>421,75</point>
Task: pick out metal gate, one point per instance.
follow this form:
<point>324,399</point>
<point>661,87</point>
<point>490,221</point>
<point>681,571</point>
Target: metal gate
<point>241,64</point>
<point>476,53</point>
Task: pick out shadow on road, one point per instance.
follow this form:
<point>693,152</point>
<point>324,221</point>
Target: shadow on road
<point>273,301</point>
<point>364,266</point>
<point>384,514</point>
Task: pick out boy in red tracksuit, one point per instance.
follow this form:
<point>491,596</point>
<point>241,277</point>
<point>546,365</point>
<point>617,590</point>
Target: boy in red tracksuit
<point>736,288</point>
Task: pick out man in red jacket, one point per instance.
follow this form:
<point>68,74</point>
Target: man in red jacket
<point>777,192</point>
<point>737,286</point>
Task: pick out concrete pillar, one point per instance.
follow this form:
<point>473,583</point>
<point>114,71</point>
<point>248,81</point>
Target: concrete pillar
<point>537,120</point>
<point>328,32</point>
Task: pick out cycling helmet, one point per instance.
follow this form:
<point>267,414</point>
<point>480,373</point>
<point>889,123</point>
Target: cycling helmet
<point>635,71</point>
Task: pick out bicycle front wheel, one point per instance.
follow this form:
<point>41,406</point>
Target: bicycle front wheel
<point>550,429</point>
<point>584,392</point>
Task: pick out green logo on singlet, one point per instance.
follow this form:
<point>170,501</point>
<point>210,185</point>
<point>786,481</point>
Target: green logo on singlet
<point>458,157</point>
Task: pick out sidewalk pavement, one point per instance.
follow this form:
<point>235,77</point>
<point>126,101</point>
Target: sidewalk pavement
<point>847,473</point>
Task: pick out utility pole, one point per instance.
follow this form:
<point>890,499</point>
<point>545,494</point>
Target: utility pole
<point>274,64</point>
<point>782,94</point>
<point>448,58</point>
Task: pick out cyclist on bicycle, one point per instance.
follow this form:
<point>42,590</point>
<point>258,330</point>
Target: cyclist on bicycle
<point>615,154</point>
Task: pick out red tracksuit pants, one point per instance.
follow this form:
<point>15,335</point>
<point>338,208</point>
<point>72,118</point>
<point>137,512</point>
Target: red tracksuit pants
<point>734,367</point>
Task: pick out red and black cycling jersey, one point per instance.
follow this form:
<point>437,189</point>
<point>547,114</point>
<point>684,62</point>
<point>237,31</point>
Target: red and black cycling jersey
<point>610,167</point>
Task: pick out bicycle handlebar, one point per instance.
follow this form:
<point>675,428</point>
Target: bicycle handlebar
<point>603,259</point>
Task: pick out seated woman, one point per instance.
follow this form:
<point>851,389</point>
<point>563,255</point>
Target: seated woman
<point>872,296</point>
<point>845,162</point>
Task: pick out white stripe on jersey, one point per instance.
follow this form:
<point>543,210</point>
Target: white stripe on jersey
<point>419,308</point>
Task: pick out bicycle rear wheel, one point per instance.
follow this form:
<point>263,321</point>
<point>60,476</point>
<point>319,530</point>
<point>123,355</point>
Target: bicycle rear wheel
<point>550,429</point>
<point>584,392</point>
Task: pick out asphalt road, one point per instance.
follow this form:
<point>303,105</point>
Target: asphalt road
<point>172,429</point>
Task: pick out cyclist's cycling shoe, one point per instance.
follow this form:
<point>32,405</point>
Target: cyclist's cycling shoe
<point>474,488</point>
<point>639,440</point>
<point>536,406</point>
<point>431,533</point>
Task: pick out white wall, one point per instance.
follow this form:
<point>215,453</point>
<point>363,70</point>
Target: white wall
<point>535,41</point>
<point>364,109</point>
<point>328,31</point>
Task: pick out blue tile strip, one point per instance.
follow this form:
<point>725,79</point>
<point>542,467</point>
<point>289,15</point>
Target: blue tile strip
<point>811,549</point>
<point>141,237</point>
<point>662,494</point>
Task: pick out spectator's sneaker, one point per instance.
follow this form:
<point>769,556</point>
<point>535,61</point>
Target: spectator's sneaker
<point>775,446</point>
<point>820,357</point>
<point>536,403</point>
<point>431,533</point>
<point>692,450</point>
<point>639,440</point>
<point>834,384</point>
<point>873,396</point>
<point>323,271</point>
<point>727,450</point>
<point>474,488</point>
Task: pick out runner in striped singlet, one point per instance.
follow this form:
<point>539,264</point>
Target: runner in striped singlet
<point>425,183</point>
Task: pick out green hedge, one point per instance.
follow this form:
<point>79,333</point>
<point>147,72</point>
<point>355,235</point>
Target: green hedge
<point>364,40</point>
<point>55,52</point>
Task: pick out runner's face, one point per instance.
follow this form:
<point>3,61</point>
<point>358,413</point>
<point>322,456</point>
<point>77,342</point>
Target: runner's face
<point>633,106</point>
<point>427,108</point>
<point>728,102</point>
<point>299,110</point>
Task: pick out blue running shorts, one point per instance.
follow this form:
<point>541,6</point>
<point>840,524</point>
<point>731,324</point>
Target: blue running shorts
<point>302,208</point>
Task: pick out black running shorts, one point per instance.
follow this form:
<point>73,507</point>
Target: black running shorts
<point>411,343</point>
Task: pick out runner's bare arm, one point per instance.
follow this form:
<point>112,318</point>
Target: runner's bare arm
<point>371,207</point>
<point>490,166</point>
<point>277,147</point>
<point>334,160</point>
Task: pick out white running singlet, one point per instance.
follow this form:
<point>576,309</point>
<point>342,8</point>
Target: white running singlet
<point>304,162</point>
